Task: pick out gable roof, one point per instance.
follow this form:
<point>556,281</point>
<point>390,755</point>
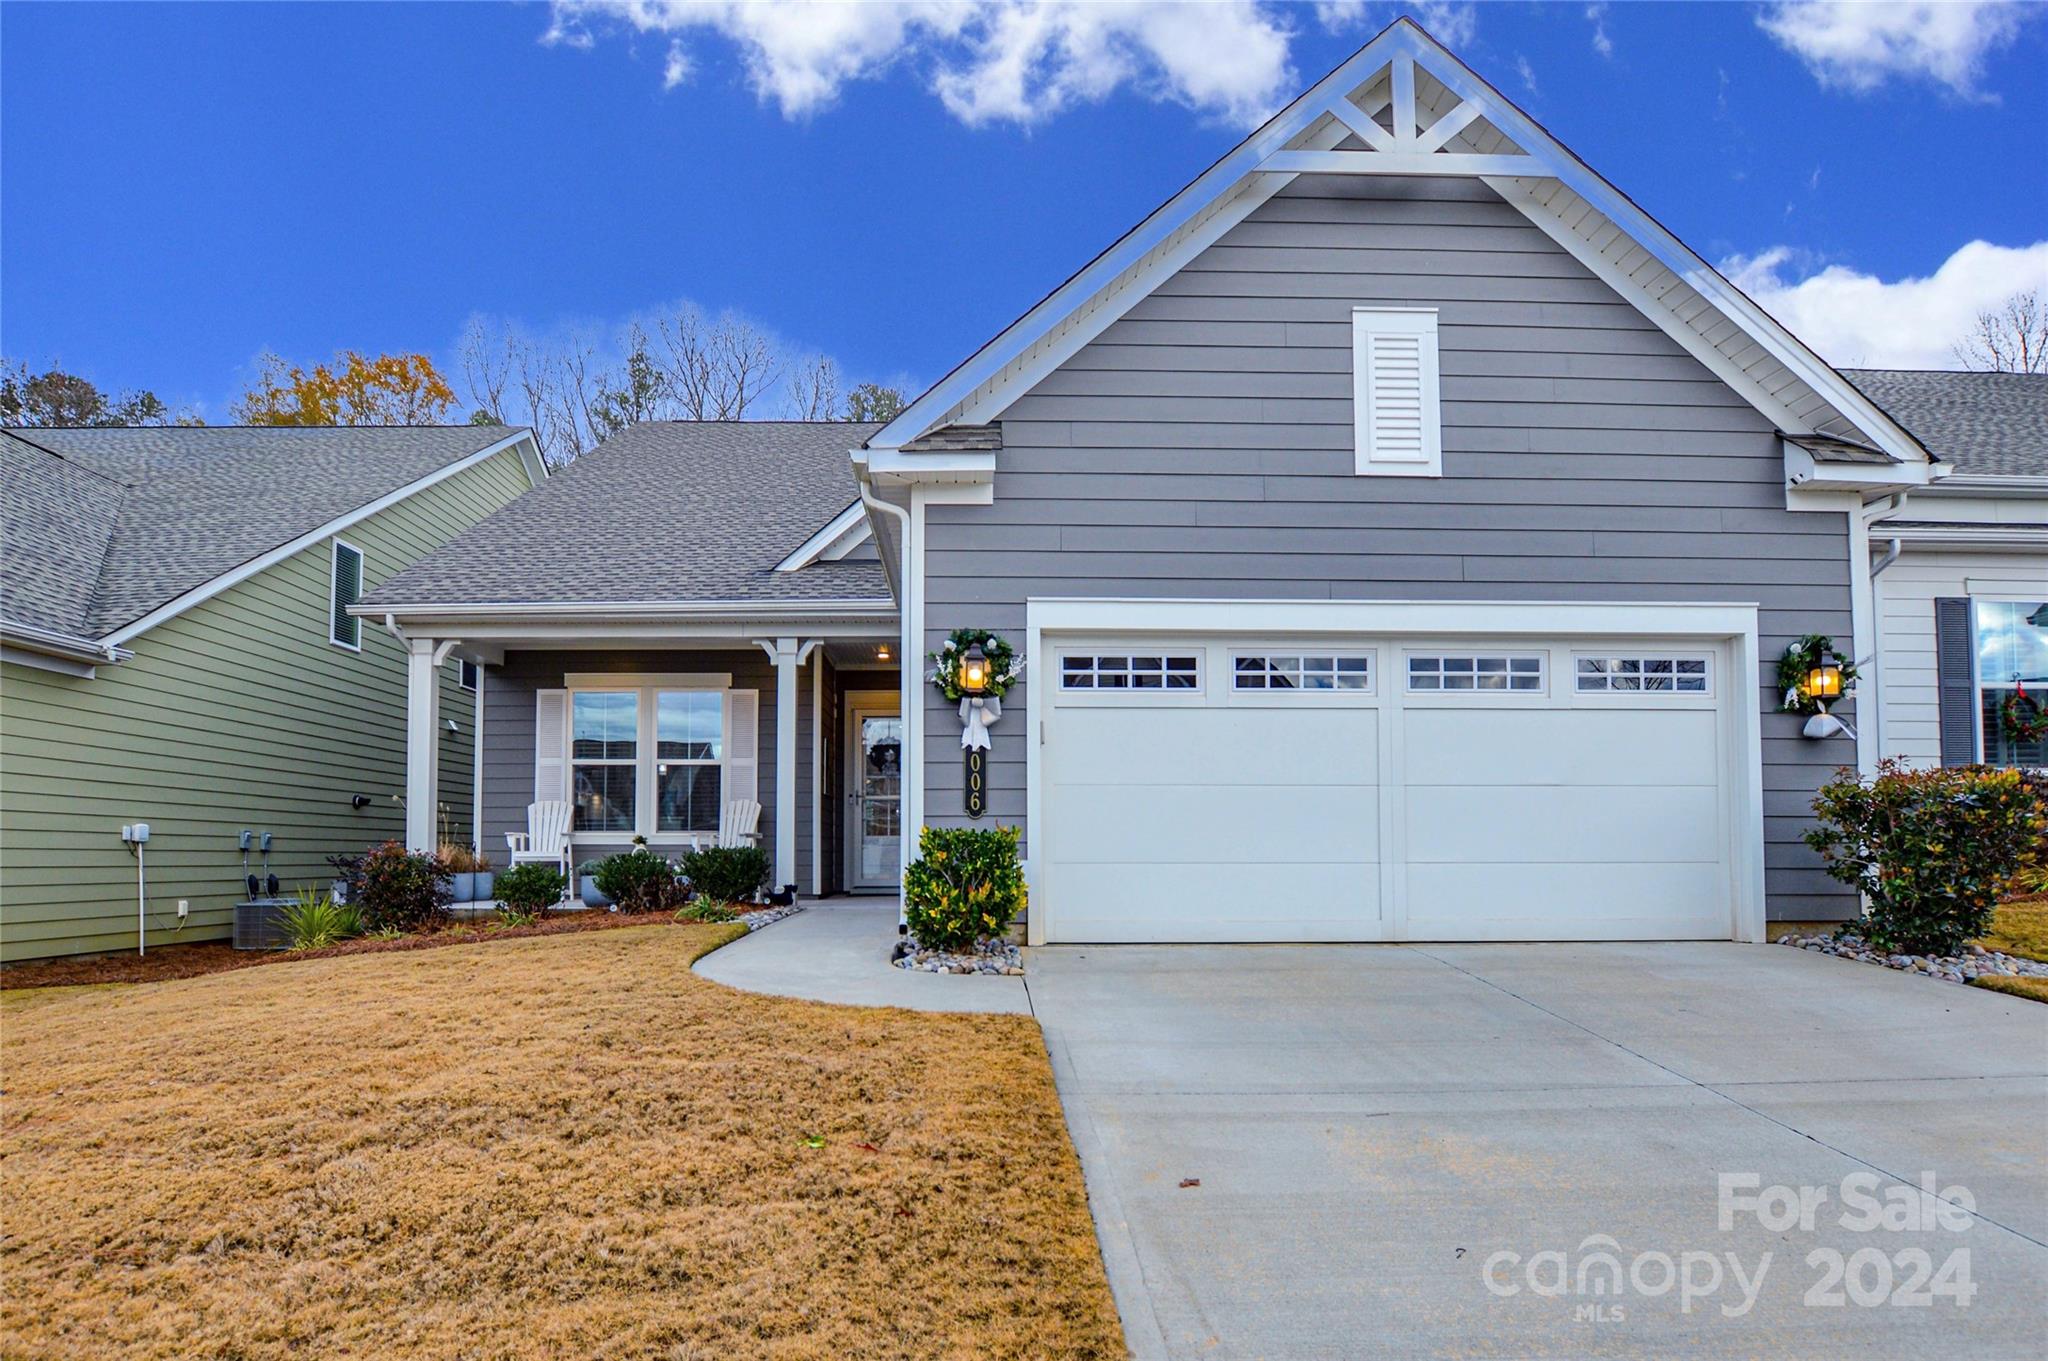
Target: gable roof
<point>662,513</point>
<point>1986,424</point>
<point>1404,105</point>
<point>108,531</point>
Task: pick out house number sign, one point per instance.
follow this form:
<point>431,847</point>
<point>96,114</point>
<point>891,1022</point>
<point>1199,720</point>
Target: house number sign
<point>977,781</point>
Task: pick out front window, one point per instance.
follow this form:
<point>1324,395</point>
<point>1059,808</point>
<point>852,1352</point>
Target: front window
<point>689,736</point>
<point>604,752</point>
<point>2012,651</point>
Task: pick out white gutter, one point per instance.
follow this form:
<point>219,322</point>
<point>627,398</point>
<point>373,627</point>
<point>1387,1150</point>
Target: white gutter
<point>53,643</point>
<point>628,609</point>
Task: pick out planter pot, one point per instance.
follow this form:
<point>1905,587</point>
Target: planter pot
<point>465,888</point>
<point>485,882</point>
<point>587,891</point>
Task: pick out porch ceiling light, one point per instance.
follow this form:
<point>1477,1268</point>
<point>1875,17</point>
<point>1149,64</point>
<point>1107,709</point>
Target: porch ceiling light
<point>974,671</point>
<point>882,653</point>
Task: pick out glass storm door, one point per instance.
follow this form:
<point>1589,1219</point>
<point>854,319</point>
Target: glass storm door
<point>877,798</point>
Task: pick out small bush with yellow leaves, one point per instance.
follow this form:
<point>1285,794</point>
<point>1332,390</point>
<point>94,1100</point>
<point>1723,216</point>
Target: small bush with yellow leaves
<point>967,883</point>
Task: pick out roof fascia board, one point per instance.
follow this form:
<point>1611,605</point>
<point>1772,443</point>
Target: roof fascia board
<point>1991,484</point>
<point>984,407</point>
<point>1208,187</point>
<point>894,467</point>
<point>204,592</point>
<point>672,609</point>
<point>815,548</point>
<point>53,643</point>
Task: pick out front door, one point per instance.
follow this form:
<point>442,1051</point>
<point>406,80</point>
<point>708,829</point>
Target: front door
<point>875,797</point>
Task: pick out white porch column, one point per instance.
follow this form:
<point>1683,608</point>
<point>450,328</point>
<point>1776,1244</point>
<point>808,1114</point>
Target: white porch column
<point>788,654</point>
<point>423,658</point>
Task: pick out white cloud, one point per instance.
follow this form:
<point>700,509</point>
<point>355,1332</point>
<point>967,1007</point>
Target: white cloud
<point>1860,320</point>
<point>1526,72</point>
<point>1454,23</point>
<point>676,69</point>
<point>1596,15</point>
<point>986,60</point>
<point>1858,45</point>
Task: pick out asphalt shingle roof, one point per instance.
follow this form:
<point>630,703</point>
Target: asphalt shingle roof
<point>667,512</point>
<point>1986,424</point>
<point>104,525</point>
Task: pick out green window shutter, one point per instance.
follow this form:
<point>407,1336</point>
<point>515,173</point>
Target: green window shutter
<point>345,628</point>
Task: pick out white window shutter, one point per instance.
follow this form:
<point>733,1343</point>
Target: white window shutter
<point>742,745</point>
<point>550,745</point>
<point>1394,391</point>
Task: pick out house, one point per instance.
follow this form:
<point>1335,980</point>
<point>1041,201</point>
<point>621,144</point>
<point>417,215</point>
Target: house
<point>1403,532</point>
<point>1962,569</point>
<point>176,651</point>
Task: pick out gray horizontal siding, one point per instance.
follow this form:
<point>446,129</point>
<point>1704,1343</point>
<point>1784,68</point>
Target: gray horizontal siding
<point>508,733</point>
<point>1202,446</point>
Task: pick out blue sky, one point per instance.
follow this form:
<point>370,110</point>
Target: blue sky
<point>183,187</point>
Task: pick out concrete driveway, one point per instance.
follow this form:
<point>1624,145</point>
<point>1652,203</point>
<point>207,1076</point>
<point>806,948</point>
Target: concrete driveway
<point>1381,1131</point>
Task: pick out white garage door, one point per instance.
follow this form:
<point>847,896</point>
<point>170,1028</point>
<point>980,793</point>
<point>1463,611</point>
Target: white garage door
<point>1397,789</point>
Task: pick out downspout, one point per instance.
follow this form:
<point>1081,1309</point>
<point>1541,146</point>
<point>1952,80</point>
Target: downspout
<point>906,660</point>
<point>1872,723</point>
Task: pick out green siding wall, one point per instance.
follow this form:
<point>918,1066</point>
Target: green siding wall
<point>237,713</point>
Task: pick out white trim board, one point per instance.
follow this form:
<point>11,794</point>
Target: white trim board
<point>206,591</point>
<point>1009,365</point>
<point>840,535</point>
<point>1732,624</point>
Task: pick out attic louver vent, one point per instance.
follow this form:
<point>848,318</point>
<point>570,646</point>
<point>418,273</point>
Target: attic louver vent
<point>1394,390</point>
<point>344,628</point>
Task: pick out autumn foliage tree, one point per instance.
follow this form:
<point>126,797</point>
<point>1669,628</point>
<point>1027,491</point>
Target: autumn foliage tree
<point>392,389</point>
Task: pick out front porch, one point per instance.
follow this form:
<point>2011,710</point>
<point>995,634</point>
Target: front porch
<point>650,738</point>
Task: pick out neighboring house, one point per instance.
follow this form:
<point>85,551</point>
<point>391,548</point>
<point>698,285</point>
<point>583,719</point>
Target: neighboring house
<point>1962,568</point>
<point>1402,530</point>
<point>176,650</point>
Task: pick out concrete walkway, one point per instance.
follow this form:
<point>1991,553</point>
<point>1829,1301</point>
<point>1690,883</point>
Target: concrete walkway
<point>1324,1151</point>
<point>837,950</point>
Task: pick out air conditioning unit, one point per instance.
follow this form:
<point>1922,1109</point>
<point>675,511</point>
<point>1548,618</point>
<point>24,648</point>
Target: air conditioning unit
<point>259,924</point>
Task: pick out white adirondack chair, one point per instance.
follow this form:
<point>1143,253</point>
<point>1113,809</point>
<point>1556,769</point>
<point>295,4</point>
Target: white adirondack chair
<point>545,840</point>
<point>739,823</point>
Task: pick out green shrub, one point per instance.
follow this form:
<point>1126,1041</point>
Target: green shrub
<point>408,890</point>
<point>966,883</point>
<point>315,921</point>
<point>1932,850</point>
<point>638,881</point>
<point>509,916</point>
<point>530,888</point>
<point>708,910</point>
<point>727,874</point>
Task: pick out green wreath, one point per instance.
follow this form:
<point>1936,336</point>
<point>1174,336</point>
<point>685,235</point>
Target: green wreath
<point>1003,665</point>
<point>1803,656</point>
<point>2022,717</point>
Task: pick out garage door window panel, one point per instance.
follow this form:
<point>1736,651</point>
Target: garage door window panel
<point>1128,672</point>
<point>1467,673</point>
<point>1279,672</point>
<point>1641,674</point>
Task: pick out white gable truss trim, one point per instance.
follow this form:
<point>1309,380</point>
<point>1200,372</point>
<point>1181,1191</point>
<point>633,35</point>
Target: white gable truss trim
<point>1472,130</point>
<point>843,533</point>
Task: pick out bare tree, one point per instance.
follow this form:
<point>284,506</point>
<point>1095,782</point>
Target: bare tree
<point>814,389</point>
<point>718,368</point>
<point>576,388</point>
<point>486,355</point>
<point>2013,339</point>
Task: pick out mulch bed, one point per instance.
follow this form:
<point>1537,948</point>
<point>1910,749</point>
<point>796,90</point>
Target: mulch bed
<point>207,957</point>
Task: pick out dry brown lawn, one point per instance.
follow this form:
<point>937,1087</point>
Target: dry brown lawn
<point>557,1147</point>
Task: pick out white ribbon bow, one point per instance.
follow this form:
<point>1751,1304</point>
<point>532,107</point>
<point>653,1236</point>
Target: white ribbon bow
<point>977,712</point>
